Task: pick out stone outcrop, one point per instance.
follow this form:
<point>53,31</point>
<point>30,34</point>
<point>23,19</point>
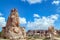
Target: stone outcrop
<point>12,30</point>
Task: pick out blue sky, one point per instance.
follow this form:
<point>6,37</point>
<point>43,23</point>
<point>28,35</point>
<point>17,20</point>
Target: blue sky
<point>33,14</point>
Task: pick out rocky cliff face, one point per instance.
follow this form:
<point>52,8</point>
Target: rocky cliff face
<point>12,30</point>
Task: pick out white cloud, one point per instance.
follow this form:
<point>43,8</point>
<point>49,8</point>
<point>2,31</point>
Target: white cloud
<point>2,22</point>
<point>34,1</point>
<point>42,23</point>
<point>54,16</point>
<point>36,15</point>
<point>22,20</point>
<point>57,2</point>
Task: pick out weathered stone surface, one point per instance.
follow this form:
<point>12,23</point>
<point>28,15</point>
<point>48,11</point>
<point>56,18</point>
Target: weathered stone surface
<point>12,30</point>
<point>24,32</point>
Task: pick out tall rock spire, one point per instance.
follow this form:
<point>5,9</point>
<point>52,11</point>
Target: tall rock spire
<point>12,30</point>
<point>13,19</point>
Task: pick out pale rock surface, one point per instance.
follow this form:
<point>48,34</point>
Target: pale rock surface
<point>12,30</point>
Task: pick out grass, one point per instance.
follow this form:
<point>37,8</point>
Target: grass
<point>4,39</point>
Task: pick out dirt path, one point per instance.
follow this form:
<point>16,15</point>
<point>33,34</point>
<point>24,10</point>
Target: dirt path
<point>57,38</point>
<point>38,39</point>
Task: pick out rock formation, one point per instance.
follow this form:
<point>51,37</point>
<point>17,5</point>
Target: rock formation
<point>12,30</point>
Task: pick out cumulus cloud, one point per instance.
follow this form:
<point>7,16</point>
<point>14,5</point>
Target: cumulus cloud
<point>43,22</point>
<point>2,22</point>
<point>36,15</point>
<point>33,1</point>
<point>56,2</point>
<point>22,20</point>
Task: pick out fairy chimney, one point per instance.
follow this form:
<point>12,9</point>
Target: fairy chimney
<point>12,30</point>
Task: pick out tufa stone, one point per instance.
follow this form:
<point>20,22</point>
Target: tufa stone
<point>12,30</point>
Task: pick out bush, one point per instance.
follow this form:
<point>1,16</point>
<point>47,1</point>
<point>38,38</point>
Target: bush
<point>0,34</point>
